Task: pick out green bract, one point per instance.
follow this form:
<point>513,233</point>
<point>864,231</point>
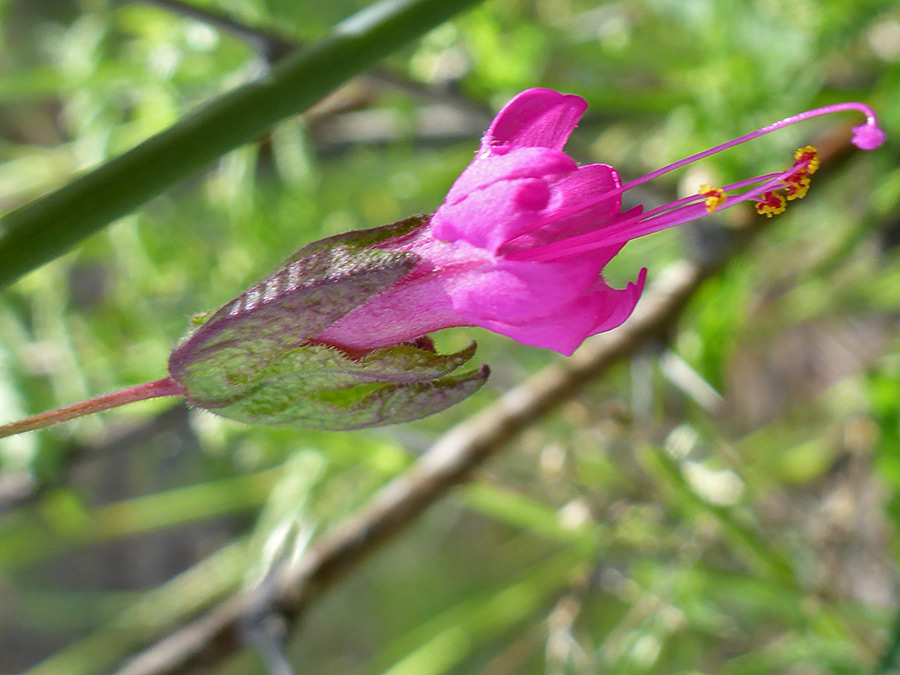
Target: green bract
<point>256,360</point>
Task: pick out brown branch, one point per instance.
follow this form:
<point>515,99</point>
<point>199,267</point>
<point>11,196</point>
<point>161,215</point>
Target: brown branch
<point>448,462</point>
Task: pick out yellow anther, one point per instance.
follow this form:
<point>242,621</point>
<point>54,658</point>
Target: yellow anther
<point>797,187</point>
<point>810,155</point>
<point>715,197</point>
<point>771,204</point>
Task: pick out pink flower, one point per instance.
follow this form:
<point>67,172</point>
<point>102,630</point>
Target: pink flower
<point>521,240</point>
<point>334,339</point>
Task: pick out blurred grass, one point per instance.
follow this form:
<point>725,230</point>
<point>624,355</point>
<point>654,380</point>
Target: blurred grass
<point>45,228</point>
<point>612,537</point>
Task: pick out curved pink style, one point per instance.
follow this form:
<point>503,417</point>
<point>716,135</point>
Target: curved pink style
<point>521,240</point>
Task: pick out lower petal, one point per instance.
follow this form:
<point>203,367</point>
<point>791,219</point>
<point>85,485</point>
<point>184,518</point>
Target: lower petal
<point>622,301</point>
<point>599,310</point>
<point>517,293</point>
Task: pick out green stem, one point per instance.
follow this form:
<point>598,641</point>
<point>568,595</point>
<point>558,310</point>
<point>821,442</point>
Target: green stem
<point>47,227</point>
<point>165,387</point>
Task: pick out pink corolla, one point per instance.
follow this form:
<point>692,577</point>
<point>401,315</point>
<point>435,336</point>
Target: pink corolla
<point>336,338</point>
<point>519,244</point>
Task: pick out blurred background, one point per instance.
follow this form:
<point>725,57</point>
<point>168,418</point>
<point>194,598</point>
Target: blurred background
<point>724,502</point>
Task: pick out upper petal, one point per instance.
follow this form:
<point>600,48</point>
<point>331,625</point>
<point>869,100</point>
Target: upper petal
<point>577,205</point>
<point>535,118</point>
<point>514,213</point>
<point>491,216</point>
<point>519,163</point>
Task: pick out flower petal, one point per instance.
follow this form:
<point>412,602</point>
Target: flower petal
<point>535,118</point>
<point>529,190</point>
<point>411,308</point>
<point>563,331</point>
<point>519,163</point>
<point>517,293</point>
<point>622,301</point>
<point>574,207</point>
<point>581,189</point>
<point>493,215</point>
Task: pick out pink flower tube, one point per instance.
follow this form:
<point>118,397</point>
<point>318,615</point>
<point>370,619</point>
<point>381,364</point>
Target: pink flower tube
<point>336,337</point>
<point>521,240</point>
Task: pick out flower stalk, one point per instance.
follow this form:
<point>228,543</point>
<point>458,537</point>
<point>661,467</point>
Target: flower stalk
<point>142,392</point>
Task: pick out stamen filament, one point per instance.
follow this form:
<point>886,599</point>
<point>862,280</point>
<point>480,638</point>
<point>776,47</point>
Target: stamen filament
<point>871,121</point>
<point>686,209</point>
<point>866,136</point>
<point>670,206</point>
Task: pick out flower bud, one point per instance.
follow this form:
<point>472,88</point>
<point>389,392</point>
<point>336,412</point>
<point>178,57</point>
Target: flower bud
<point>257,358</point>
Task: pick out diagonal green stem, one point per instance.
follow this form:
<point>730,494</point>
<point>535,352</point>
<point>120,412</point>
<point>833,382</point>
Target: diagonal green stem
<point>47,227</point>
<point>165,387</point>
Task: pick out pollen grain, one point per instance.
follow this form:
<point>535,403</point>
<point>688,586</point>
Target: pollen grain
<point>715,197</point>
<point>771,204</point>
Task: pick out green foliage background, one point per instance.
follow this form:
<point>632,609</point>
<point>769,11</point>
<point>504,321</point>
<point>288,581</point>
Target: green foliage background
<point>632,531</point>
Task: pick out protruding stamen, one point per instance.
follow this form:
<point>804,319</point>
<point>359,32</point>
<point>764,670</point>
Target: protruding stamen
<point>809,156</point>
<point>866,136</point>
<point>797,186</point>
<point>763,190</point>
<point>715,197</point>
<point>770,204</point>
